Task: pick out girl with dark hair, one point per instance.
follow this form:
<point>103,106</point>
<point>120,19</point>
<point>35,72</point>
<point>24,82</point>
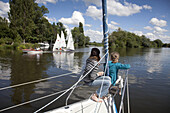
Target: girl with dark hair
<point>94,78</point>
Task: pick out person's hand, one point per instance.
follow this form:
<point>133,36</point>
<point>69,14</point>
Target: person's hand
<point>100,73</point>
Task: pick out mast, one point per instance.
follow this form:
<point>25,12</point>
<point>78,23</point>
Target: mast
<point>105,32</point>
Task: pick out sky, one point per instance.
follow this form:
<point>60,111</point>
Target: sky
<point>142,17</point>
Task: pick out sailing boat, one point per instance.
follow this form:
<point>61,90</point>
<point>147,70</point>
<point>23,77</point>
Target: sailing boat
<point>70,43</point>
<point>60,43</point>
<point>57,44</point>
<point>63,41</point>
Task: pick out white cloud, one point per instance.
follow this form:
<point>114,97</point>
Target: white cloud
<point>147,7</point>
<point>156,22</point>
<point>114,23</point>
<point>88,25</point>
<point>93,12</point>
<point>51,20</point>
<point>111,26</point>
<point>139,33</point>
<point>4,8</point>
<point>114,8</point>
<point>96,36</point>
<point>45,1</point>
<point>159,30</point>
<point>151,36</point>
<point>148,28</point>
<point>74,20</point>
<point>163,38</point>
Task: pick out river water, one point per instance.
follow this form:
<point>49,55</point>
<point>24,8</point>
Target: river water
<point>149,78</point>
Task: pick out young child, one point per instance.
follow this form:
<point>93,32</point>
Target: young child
<point>114,66</point>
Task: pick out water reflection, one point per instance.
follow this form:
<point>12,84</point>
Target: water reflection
<point>65,61</point>
<point>153,60</point>
<point>24,68</point>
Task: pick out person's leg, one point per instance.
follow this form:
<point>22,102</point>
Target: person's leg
<point>120,86</point>
<point>106,84</point>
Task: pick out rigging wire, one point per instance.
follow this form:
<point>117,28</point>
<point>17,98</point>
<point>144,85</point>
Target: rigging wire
<point>40,80</point>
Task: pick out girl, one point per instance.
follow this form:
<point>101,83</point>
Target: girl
<point>94,78</point>
<point>114,66</point>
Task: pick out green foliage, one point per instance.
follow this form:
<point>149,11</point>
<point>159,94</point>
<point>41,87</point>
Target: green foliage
<point>123,39</point>
<point>166,45</point>
<point>95,44</point>
<point>15,45</point>
<point>78,36</point>
<point>6,40</point>
<point>158,42</point>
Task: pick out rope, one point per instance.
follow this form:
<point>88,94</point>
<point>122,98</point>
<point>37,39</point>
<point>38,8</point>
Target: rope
<point>72,91</point>
<point>26,83</point>
<point>69,88</point>
<point>31,101</point>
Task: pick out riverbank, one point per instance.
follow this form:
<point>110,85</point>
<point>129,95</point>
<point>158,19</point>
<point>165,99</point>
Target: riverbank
<point>18,46</point>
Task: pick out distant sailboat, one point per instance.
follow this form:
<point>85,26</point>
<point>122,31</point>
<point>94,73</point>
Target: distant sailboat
<point>57,44</point>
<point>60,43</point>
<point>70,43</point>
<point>63,41</point>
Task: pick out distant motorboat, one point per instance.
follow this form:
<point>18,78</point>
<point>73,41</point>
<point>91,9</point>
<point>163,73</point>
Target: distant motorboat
<point>32,51</point>
<point>35,52</point>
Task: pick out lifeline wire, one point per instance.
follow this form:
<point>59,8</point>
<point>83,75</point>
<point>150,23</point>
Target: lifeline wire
<point>69,88</point>
<point>121,104</point>
<point>26,83</point>
<point>128,94</point>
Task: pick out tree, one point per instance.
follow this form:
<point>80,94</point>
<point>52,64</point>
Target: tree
<point>78,36</point>
<point>60,27</point>
<point>4,29</point>
<point>21,17</point>
<point>159,42</point>
<point>81,28</point>
<point>123,39</point>
<point>26,18</point>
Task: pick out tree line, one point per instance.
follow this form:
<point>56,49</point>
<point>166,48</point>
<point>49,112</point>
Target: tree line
<point>27,24</point>
<point>123,39</point>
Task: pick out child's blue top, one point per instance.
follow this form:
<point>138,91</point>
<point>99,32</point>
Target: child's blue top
<point>113,70</point>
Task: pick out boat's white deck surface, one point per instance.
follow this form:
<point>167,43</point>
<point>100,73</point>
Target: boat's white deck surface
<point>86,106</point>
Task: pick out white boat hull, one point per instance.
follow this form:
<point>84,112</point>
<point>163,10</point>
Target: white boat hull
<point>87,106</point>
<point>35,52</point>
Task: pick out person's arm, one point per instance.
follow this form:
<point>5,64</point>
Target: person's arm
<point>123,66</point>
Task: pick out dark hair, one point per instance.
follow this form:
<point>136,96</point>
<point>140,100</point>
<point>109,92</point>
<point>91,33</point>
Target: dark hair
<point>95,54</point>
